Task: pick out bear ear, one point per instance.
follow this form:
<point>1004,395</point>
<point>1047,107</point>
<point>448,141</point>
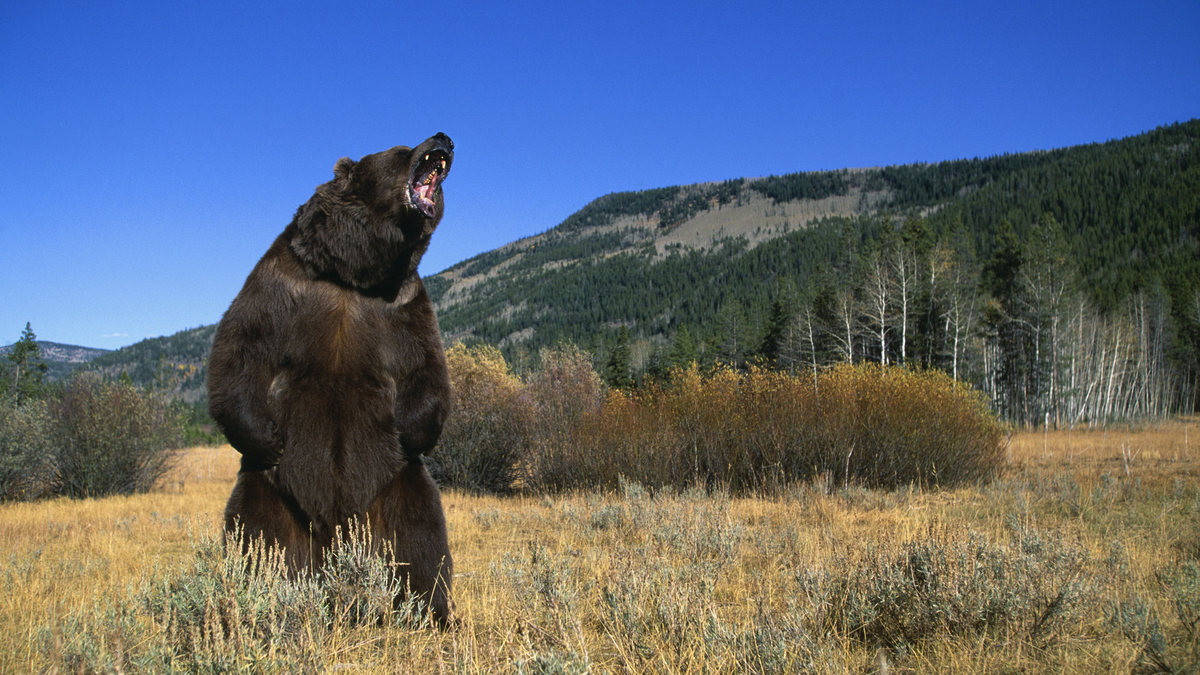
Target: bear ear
<point>343,167</point>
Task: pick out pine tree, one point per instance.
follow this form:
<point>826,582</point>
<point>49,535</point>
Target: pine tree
<point>619,361</point>
<point>1000,272</point>
<point>779,324</point>
<point>732,334</point>
<point>1007,327</point>
<point>28,369</point>
<point>683,350</point>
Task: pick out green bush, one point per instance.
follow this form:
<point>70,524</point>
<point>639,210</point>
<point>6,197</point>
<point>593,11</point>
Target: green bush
<point>25,449</point>
<point>110,438</point>
<point>1035,588</point>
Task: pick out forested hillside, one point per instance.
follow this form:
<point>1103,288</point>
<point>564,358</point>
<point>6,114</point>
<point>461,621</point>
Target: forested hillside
<point>176,364</point>
<point>1064,283</point>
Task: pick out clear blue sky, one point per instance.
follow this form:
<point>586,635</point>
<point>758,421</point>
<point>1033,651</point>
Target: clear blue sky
<point>151,151</point>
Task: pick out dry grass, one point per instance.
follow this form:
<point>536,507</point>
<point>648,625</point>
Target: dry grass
<point>1151,452</point>
<point>1105,521</point>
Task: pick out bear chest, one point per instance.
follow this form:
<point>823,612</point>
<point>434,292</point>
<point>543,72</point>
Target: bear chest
<point>343,337</point>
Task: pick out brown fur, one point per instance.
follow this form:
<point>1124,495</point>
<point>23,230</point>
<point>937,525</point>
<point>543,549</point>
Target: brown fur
<point>327,373</point>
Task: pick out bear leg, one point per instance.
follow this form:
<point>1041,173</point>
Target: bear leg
<point>408,515</point>
<point>257,509</point>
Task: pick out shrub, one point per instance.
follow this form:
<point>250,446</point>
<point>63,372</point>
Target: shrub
<point>1167,644</point>
<point>25,450</point>
<point>754,431</point>
<point>505,433</point>
<point>563,394</point>
<point>110,438</point>
<point>912,426</point>
<point>1035,588</point>
<point>224,611</point>
<point>487,434</point>
<point>360,586</point>
<point>762,430</point>
<point>227,609</point>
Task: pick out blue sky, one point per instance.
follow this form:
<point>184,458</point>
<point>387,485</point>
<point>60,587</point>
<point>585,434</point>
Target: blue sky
<point>150,152</point>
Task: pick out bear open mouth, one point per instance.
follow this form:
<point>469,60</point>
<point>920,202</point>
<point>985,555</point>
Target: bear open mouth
<point>429,174</point>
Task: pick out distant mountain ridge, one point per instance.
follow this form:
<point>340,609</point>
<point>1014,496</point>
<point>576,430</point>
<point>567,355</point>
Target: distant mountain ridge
<point>54,352</point>
<point>62,359</point>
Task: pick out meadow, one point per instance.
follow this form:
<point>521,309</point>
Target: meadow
<point>1083,556</point>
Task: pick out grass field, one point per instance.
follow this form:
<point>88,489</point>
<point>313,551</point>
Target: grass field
<point>1083,557</point>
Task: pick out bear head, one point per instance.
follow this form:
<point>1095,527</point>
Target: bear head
<point>369,226</point>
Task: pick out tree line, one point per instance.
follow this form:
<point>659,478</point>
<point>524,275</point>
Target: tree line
<point>1022,323</point>
<point>1018,324</point>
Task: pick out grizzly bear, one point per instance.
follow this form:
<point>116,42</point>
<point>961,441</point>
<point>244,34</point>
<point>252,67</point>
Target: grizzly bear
<point>328,375</point>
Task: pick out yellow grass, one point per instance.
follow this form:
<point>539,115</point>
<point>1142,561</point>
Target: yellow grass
<point>536,576</point>
<point>1154,451</point>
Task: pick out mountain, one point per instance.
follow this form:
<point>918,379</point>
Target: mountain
<point>659,260</point>
<point>62,359</point>
<point>175,363</point>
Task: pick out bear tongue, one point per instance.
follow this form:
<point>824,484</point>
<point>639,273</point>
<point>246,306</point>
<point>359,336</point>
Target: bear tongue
<point>429,176</point>
<point>422,196</point>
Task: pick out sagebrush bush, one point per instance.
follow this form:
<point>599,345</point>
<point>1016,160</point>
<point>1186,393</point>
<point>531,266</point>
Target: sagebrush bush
<point>227,609</point>
<point>940,584</point>
<point>110,438</point>
<point>818,580</point>
<point>1169,641</point>
<point>657,598</point>
<point>232,612</point>
<point>360,586</point>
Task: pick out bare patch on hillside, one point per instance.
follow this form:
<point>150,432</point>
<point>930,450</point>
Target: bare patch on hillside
<point>759,218</point>
<point>518,336</point>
